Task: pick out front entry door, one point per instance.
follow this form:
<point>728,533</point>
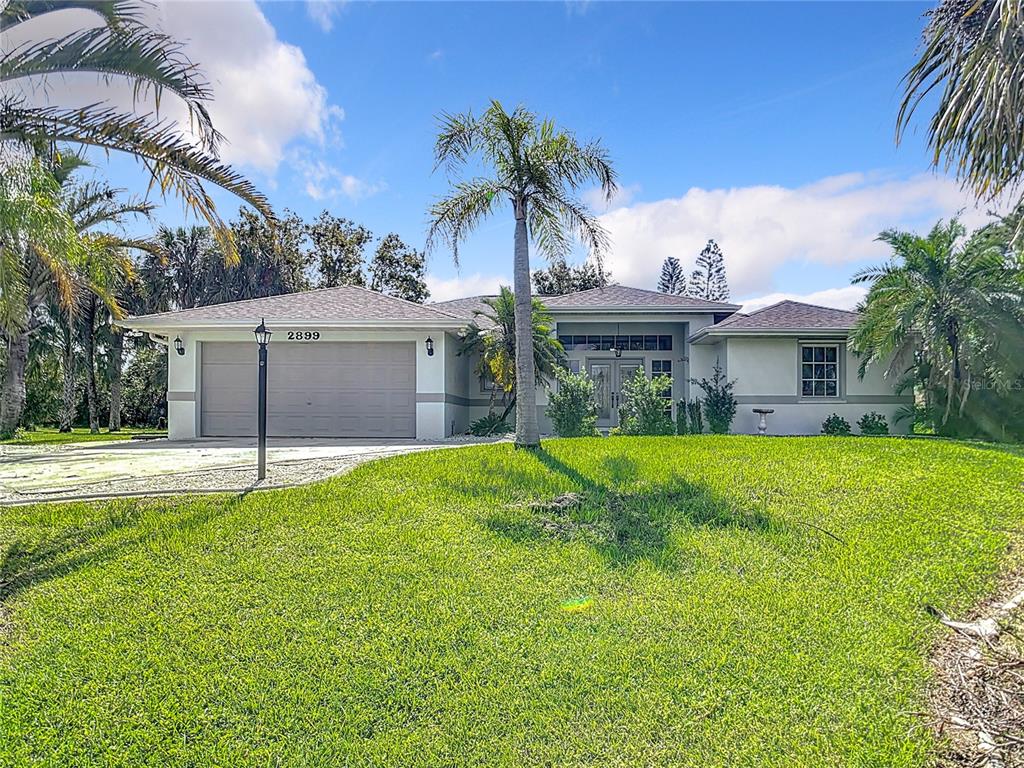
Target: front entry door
<point>608,376</point>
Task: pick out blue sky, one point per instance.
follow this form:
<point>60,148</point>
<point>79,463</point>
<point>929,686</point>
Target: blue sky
<point>768,126</point>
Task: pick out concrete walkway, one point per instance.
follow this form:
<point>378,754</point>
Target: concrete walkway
<point>30,473</point>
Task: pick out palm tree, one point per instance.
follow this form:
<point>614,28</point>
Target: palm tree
<point>974,52</point>
<point>947,310</point>
<point>492,335</point>
<point>175,274</point>
<point>534,167</point>
<point>121,48</point>
<point>96,209</point>
<point>31,268</point>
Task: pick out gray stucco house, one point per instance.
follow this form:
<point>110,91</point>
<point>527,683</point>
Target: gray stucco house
<point>349,362</point>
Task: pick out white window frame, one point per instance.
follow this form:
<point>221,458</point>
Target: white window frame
<point>800,379</point>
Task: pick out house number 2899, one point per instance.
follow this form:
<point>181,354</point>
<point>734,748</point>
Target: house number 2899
<point>303,335</point>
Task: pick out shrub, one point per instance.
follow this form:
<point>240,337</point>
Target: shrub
<point>491,424</point>
<point>571,406</point>
<point>695,415</point>
<point>836,426</point>
<point>643,409</point>
<point>873,424</point>
<point>719,402</point>
<point>682,427</point>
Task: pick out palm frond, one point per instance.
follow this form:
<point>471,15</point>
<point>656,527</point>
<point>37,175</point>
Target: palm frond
<point>456,216</point>
<point>176,165</point>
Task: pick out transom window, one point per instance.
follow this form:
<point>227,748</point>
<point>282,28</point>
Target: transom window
<point>819,370</point>
<point>648,343</point>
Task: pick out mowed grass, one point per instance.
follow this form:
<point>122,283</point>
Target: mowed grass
<point>50,436</point>
<point>722,601</point>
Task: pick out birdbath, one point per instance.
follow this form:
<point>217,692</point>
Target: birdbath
<point>762,425</point>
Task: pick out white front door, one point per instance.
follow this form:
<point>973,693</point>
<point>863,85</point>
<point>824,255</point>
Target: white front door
<point>609,375</point>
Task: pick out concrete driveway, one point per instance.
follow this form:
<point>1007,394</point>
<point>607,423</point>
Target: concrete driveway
<point>31,473</point>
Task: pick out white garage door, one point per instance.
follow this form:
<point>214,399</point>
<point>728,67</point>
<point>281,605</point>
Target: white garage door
<point>321,389</point>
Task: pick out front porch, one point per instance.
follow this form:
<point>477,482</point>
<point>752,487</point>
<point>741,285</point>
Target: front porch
<point>612,352</point>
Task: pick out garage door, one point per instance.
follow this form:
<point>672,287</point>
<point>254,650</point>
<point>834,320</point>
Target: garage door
<point>324,389</point>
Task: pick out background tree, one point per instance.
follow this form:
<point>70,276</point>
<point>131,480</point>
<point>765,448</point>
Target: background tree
<point>271,260</point>
<point>971,57</point>
<point>492,335</point>
<point>534,167</point>
<point>947,312</point>
<point>40,250</point>
<point>398,270</point>
<point>560,278</point>
<point>338,250</point>
<point>708,278</point>
<point>175,276</point>
<point>119,48</point>
<point>672,279</point>
<point>99,212</point>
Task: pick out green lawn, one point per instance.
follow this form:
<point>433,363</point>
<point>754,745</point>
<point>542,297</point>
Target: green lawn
<point>714,601</point>
<point>50,436</point>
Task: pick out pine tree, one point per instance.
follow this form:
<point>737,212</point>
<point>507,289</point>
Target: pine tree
<point>672,278</point>
<point>708,279</point>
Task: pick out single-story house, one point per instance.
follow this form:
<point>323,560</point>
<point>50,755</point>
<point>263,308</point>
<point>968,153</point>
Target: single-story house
<point>350,362</point>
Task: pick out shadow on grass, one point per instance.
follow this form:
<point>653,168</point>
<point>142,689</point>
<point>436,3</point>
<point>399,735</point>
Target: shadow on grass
<point>28,561</point>
<point>623,520</point>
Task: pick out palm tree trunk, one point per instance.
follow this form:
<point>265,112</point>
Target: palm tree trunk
<point>527,431</point>
<point>12,390</point>
<point>116,361</point>
<point>89,336</point>
<point>67,403</point>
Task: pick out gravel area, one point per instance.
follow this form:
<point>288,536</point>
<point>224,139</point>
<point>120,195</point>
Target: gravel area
<point>30,474</point>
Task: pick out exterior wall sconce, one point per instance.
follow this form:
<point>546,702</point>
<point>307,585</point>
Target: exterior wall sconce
<point>430,347</point>
<point>179,346</point>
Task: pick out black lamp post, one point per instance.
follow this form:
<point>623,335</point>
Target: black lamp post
<point>262,338</point>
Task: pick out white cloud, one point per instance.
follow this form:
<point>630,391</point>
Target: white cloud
<point>323,12</point>
<point>595,200</point>
<point>833,222</point>
<point>324,181</point>
<point>477,284</point>
<point>846,297</point>
<point>264,94</point>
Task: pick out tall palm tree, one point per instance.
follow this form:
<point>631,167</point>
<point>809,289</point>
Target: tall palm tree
<point>973,54</point>
<point>492,335</point>
<point>31,268</point>
<point>97,211</point>
<point>120,48</point>
<point>535,167</point>
<point>946,309</point>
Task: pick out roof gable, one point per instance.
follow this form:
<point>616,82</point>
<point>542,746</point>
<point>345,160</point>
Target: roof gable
<point>785,316</point>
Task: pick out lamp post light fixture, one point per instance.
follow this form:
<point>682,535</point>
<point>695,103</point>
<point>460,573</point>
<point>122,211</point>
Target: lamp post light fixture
<point>179,346</point>
<point>430,347</point>
<point>262,334</point>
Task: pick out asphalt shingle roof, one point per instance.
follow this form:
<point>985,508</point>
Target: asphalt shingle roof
<point>464,308</point>
<point>788,315</point>
<point>622,296</point>
<point>347,302</point>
